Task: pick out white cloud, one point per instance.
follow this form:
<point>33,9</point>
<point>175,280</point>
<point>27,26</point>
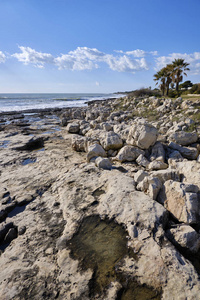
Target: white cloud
<point>2,57</point>
<point>126,64</point>
<point>138,53</point>
<point>89,58</point>
<point>84,58</point>
<point>193,59</point>
<point>30,56</point>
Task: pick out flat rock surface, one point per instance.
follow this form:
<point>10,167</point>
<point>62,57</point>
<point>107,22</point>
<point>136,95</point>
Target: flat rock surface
<point>70,218</point>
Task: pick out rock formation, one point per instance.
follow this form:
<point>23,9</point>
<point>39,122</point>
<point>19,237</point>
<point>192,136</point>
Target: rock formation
<point>102,203</point>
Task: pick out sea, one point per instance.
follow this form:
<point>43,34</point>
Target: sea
<point>22,102</point>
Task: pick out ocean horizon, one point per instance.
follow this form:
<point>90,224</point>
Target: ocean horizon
<point>27,101</point>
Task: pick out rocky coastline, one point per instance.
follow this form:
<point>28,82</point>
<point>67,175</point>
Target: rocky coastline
<point>101,202</point>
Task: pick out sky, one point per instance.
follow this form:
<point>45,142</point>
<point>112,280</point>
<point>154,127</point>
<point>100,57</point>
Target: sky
<point>94,46</point>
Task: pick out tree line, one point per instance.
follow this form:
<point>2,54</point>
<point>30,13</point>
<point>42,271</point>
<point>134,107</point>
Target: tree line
<point>171,74</point>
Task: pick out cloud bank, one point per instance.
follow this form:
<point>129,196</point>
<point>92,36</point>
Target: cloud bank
<point>84,58</point>
<point>30,56</point>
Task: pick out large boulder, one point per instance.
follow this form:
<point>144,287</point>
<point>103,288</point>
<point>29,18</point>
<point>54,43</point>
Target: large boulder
<point>183,138</point>
<point>187,152</point>
<point>158,152</point>
<point>73,127</point>
<point>142,135</point>
<point>103,163</point>
<point>95,150</point>
<point>128,153</point>
<point>181,200</point>
<point>110,140</point>
<point>79,143</point>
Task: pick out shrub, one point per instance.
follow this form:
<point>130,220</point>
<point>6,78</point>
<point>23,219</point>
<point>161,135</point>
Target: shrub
<point>173,94</point>
<point>143,92</point>
<point>195,89</point>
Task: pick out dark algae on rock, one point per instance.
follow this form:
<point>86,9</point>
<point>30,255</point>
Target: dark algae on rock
<point>100,245</point>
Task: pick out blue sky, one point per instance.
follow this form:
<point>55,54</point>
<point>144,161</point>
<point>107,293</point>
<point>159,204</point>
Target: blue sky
<point>94,45</point>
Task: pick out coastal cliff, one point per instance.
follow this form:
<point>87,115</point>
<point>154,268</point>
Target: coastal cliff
<point>102,202</point>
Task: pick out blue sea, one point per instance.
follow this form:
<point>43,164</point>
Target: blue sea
<point>21,102</point>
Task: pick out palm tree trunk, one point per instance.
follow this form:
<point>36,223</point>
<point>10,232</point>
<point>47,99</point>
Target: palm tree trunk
<point>167,90</point>
<point>177,86</point>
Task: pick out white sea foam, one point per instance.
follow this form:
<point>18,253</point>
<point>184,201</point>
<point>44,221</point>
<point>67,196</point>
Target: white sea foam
<point>21,102</point>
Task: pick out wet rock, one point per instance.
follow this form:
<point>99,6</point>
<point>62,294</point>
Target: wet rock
<point>142,135</point>
<point>128,153</point>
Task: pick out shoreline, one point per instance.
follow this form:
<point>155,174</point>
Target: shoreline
<point>125,167</point>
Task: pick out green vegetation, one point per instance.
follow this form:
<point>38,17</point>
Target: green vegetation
<point>172,73</point>
<point>144,92</point>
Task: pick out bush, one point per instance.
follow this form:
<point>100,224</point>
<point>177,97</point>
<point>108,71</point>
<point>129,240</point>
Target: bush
<point>144,93</point>
<point>173,94</point>
<point>195,89</point>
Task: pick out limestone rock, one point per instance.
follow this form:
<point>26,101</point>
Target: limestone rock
<point>103,163</point>
<point>157,165</point>
<point>185,236</point>
<point>183,138</point>
<point>73,127</point>
<point>190,171</point>
<point>128,153</point>
<point>140,175</point>
<point>110,140</point>
<point>142,135</point>
<point>142,161</point>
<point>187,152</point>
<point>166,174</point>
<point>158,152</point>
<point>95,150</point>
<point>79,143</point>
<point>181,200</point>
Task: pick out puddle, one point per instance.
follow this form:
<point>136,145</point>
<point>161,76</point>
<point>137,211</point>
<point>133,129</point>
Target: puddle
<point>100,245</point>
<point>28,161</point>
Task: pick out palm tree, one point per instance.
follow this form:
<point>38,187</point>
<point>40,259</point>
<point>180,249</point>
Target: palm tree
<point>168,70</point>
<point>161,76</point>
<point>179,68</point>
